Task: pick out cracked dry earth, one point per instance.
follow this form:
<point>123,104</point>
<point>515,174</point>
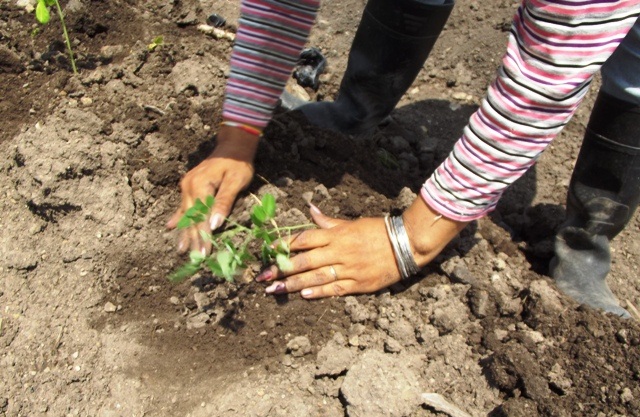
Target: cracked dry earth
<point>90,326</point>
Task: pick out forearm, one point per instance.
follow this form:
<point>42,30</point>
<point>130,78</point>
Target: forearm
<point>270,37</point>
<point>553,51</point>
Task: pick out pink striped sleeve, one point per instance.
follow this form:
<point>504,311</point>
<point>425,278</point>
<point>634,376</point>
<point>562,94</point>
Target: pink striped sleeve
<point>553,51</point>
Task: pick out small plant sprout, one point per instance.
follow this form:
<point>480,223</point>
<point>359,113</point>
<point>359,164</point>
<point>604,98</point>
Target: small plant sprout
<point>234,247</point>
<point>157,41</point>
<point>43,16</point>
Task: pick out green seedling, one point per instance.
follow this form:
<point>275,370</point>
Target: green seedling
<point>387,159</point>
<point>235,247</point>
<point>157,41</point>
<point>43,16</point>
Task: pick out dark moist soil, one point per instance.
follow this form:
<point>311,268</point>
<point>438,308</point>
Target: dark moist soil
<point>91,326</point>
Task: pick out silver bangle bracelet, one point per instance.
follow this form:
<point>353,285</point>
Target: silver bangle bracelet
<point>401,246</point>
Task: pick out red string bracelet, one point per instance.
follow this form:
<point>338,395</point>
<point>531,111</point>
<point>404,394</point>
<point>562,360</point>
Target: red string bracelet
<point>247,128</point>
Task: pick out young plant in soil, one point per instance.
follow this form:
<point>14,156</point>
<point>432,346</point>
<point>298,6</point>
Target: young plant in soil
<point>43,16</point>
<point>235,247</point>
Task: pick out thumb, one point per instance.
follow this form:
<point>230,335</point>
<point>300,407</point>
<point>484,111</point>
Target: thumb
<point>325,222</point>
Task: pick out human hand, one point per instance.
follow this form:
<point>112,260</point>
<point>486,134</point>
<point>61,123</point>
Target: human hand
<point>224,174</point>
<point>354,257</point>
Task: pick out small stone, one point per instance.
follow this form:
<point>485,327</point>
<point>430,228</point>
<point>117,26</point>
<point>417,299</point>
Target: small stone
<point>534,336</point>
<point>202,301</point>
<point>391,345</point>
<point>174,300</point>
<point>501,334</point>
<point>626,395</point>
<point>558,379</point>
<point>299,346</point>
<point>284,182</point>
<point>198,321</point>
<point>322,191</point>
<point>479,302</point>
<point>622,336</point>
<point>109,307</point>
<point>86,101</point>
<point>307,196</point>
<point>459,96</point>
<point>355,310</point>
<point>499,264</point>
<point>509,306</point>
<point>405,198</point>
<point>287,361</point>
<point>333,360</point>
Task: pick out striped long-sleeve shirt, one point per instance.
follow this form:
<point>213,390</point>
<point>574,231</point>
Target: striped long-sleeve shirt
<point>270,37</point>
<point>554,49</point>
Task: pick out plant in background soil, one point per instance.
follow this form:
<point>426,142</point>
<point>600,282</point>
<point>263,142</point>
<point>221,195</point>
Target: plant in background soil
<point>43,16</point>
<point>235,247</point>
<point>157,41</point>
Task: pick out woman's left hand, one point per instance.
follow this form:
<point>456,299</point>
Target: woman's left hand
<point>342,257</point>
<point>356,257</point>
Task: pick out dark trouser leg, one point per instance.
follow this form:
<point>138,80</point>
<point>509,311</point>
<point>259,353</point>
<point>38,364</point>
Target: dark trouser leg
<point>392,43</point>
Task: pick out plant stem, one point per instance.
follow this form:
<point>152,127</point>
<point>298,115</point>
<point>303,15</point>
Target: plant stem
<point>66,38</point>
<point>288,228</point>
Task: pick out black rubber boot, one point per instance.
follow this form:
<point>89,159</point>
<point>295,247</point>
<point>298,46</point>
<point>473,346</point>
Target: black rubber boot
<point>603,195</point>
<point>392,43</point>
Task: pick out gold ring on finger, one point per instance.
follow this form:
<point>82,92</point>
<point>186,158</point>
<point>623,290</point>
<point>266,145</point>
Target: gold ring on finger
<point>333,272</point>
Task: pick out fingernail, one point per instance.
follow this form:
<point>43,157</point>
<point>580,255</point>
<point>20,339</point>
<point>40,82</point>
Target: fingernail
<point>265,276</point>
<point>315,209</point>
<point>306,292</point>
<point>275,288</point>
<point>181,247</point>
<point>216,221</point>
<point>203,251</point>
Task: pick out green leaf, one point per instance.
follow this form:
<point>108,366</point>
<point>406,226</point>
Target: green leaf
<point>209,201</point>
<point>185,271</point>
<point>283,262</point>
<point>200,207</point>
<point>245,257</point>
<point>263,235</point>
<point>206,236</point>
<point>283,247</point>
<point>196,257</point>
<point>267,253</point>
<point>269,205</point>
<point>50,2</point>
<point>258,216</point>
<point>225,259</point>
<point>191,212</point>
<point>214,267</point>
<point>42,12</point>
<point>184,222</point>
<point>199,218</point>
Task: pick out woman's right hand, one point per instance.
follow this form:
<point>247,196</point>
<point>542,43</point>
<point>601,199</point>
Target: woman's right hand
<point>226,172</point>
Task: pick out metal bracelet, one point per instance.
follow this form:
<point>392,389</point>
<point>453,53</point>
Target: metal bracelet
<point>401,246</point>
<point>405,246</point>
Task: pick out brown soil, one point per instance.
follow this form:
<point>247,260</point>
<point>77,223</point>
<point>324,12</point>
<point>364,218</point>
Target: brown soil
<point>90,326</point>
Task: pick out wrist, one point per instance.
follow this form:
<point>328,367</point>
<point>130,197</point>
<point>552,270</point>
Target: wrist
<point>234,142</point>
<point>245,127</point>
<point>428,231</point>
